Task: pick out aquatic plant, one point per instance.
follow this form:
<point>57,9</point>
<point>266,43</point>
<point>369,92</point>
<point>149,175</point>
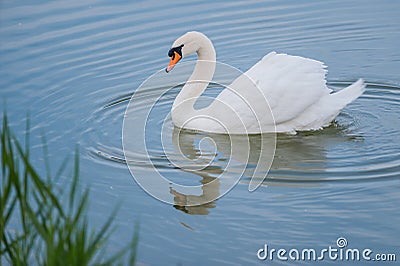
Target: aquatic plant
<point>43,221</point>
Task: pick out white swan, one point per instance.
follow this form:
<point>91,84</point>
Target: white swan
<point>281,93</point>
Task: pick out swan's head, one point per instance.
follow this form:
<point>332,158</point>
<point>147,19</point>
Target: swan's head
<point>187,44</point>
<point>176,55</point>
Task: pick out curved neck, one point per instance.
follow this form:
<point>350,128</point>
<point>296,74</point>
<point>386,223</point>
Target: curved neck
<point>182,109</point>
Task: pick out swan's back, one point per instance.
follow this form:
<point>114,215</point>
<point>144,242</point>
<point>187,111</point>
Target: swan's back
<point>295,89</point>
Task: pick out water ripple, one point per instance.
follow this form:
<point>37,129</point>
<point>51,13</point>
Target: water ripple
<point>107,51</point>
<point>75,64</point>
<point>346,151</point>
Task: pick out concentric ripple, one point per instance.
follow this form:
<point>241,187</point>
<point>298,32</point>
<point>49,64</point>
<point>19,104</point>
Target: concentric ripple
<point>351,149</point>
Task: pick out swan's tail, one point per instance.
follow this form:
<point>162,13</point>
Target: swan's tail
<point>349,94</point>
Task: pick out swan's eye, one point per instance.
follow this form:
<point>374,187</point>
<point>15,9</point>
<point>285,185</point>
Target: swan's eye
<point>178,49</point>
<point>171,52</point>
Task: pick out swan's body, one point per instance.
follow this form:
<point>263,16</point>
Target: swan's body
<point>280,93</point>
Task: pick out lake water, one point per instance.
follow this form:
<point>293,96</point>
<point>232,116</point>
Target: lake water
<point>74,65</point>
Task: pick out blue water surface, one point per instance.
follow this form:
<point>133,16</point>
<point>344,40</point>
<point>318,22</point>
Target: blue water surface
<point>71,66</point>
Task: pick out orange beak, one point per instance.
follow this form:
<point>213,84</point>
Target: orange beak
<point>174,60</point>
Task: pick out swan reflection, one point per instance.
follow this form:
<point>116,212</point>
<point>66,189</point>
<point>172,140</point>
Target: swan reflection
<point>222,154</point>
<point>302,153</point>
<point>189,203</point>
<point>184,142</point>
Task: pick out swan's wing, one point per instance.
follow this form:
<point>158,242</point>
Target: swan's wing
<point>291,84</point>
